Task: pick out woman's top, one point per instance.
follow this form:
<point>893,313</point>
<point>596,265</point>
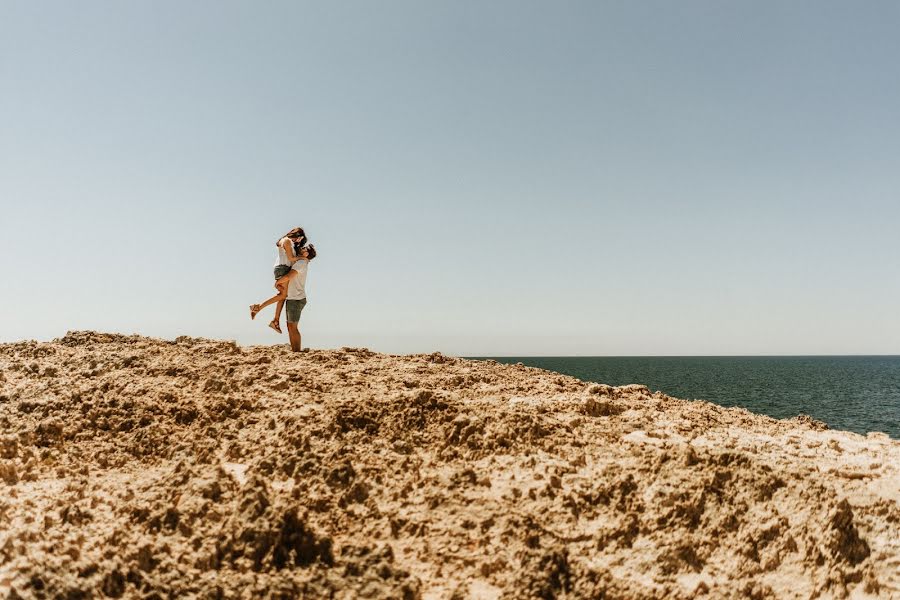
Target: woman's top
<point>282,255</point>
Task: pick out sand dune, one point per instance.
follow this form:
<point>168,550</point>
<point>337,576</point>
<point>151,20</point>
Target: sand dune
<point>141,468</point>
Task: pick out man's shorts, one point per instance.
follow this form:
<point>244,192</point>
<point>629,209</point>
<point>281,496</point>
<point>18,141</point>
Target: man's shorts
<point>293,308</point>
<point>281,271</point>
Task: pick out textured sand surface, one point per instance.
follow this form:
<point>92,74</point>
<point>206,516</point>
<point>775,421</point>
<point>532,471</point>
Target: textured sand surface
<point>134,467</point>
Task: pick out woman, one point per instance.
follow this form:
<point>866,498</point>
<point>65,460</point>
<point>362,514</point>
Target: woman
<point>287,256</point>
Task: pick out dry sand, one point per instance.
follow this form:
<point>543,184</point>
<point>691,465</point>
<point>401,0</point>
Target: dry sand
<point>134,467</point>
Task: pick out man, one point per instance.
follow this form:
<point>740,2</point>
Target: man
<point>295,281</point>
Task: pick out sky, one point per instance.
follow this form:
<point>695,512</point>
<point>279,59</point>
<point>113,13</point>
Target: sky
<point>479,178</point>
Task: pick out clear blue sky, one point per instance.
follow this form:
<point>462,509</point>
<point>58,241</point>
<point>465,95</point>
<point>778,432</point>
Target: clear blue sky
<point>479,177</point>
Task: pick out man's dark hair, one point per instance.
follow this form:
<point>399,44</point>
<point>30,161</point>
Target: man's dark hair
<point>310,249</point>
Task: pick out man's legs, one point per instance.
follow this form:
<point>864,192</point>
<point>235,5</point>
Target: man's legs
<point>293,310</point>
<point>294,334</point>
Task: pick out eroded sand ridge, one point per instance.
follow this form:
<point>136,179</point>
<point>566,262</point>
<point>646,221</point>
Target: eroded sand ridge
<point>134,467</point>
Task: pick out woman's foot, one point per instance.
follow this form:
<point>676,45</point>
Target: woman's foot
<point>254,308</point>
<point>275,325</point>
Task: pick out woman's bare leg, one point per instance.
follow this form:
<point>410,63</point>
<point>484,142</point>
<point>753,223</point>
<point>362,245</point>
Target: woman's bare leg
<point>278,309</point>
<point>280,296</point>
<point>281,285</point>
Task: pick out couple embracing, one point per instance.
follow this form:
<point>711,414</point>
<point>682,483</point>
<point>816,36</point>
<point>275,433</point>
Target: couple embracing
<point>290,280</point>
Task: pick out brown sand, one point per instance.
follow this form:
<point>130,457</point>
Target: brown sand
<point>134,467</point>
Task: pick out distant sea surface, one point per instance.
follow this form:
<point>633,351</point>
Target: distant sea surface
<point>856,393</point>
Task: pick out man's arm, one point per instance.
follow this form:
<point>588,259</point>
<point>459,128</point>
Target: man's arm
<point>284,281</point>
<point>295,268</point>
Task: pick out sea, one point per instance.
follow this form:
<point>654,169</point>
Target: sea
<point>854,393</point>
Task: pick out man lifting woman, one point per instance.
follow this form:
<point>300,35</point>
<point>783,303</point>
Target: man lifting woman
<point>291,265</point>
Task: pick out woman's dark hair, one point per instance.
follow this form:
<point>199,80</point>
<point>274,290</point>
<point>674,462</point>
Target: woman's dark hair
<point>293,234</point>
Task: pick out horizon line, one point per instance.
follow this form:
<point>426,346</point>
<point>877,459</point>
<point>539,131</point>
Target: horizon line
<point>492,356</point>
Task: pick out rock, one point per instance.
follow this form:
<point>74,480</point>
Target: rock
<point>8,472</point>
<point>133,467</point>
<point>599,408</point>
<point>845,541</point>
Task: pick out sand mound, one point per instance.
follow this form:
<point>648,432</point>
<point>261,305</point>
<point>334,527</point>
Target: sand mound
<point>133,467</point>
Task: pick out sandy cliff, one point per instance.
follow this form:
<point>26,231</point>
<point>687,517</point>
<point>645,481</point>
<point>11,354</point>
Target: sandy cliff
<point>133,467</point>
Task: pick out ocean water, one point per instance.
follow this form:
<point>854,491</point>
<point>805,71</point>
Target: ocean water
<point>856,393</point>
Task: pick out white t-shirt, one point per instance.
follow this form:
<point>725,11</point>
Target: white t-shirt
<point>282,258</point>
<point>297,286</point>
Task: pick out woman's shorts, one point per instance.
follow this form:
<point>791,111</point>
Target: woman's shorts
<point>293,308</point>
<point>281,271</point>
